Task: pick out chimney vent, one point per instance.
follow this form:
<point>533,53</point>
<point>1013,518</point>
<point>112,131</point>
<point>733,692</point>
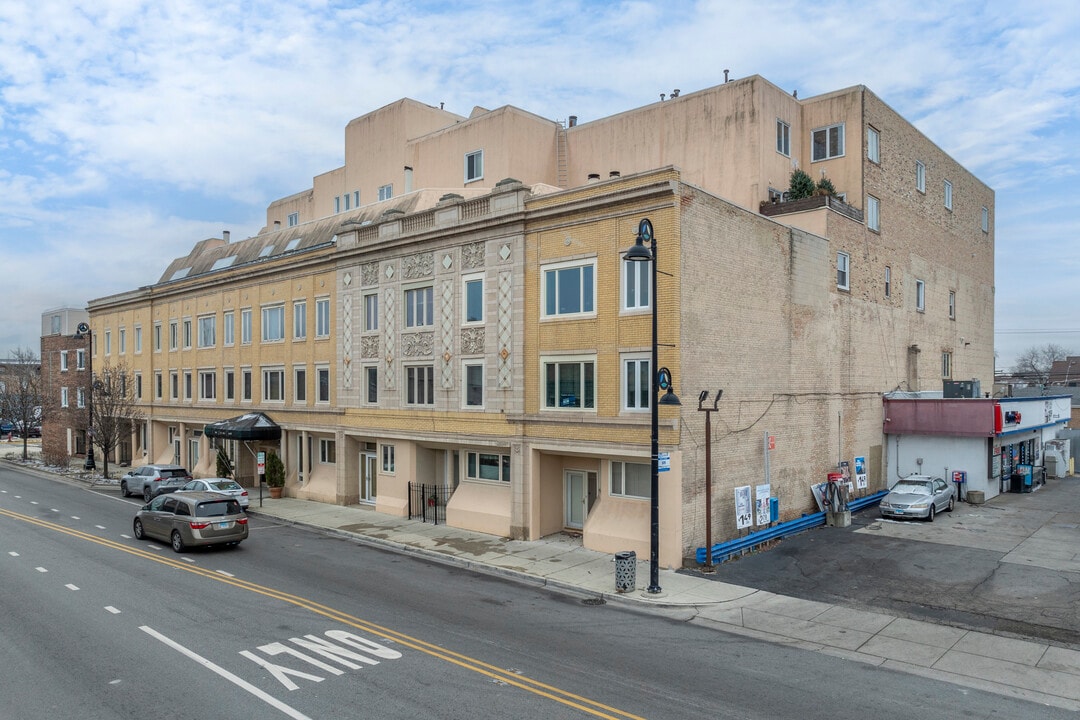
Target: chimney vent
<point>614,174</point>
<point>725,74</point>
<point>594,177</point>
<point>225,235</point>
<point>662,96</point>
<point>573,120</point>
<point>277,224</point>
<point>675,93</point>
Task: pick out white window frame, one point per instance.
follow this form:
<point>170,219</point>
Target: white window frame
<point>122,340</point>
<point>174,385</point>
<point>371,312</point>
<point>207,331</point>
<point>475,460</point>
<point>920,295</point>
<point>247,382</point>
<point>952,304</point>
<point>174,334</point>
<point>159,385</point>
<point>268,374</point>
<point>617,485</point>
<point>468,398</point>
<point>228,328</point>
<point>828,132</point>
<point>299,319</point>
<point>920,176</point>
<point>63,397</point>
<point>322,317</point>
<point>419,306</point>
<point>293,219</point>
<point>873,213</point>
<point>948,195</point>
<point>946,365</point>
<point>189,389</point>
<point>635,391</point>
<point>387,454</point>
<point>322,384</point>
<point>108,342</point>
<point>300,384</point>
<point>873,145</point>
<point>783,138</point>
<point>138,339</point>
<point>245,326</point>
<point>186,333</point>
<point>229,384</point>
<point>584,298</point>
<point>80,359</point>
<point>888,281</point>
<point>273,323</point>
<point>474,166</point>
<point>843,271</point>
<point>138,385</point>
<point>327,450</point>
<point>418,379</point>
<point>368,386</point>
<point>636,285</point>
<point>467,282</point>
<point>985,222</point>
<point>80,397</point>
<point>386,191</point>
<point>63,361</point>
<point>337,204</point>
<point>208,385</point>
<point>582,361</point>
<point>157,337</point>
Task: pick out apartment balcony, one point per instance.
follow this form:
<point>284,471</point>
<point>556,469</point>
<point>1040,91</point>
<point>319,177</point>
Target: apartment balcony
<point>784,207</point>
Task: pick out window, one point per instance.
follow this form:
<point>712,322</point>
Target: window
<point>872,145</point>
<point>245,380</point>
<point>80,359</point>
<point>300,384</point>
<point>348,201</point>
<point>487,466</point>
<point>371,311</point>
<point>122,337</point>
<point>158,386</point>
<point>207,331</point>
<point>569,384</point>
<point>327,450</point>
<point>228,328</point>
<point>293,219</point>
<point>356,198</point>
<point>952,304</point>
<point>138,339</point>
<point>920,295</point>
<point>322,318</point>
<point>474,384</point>
<point>63,397</point>
<point>946,365</point>
<point>230,385</point>
<point>337,204</point>
<point>474,165</point>
<point>108,342</point>
<point>920,176</point>
<point>986,220</point>
<point>388,458</point>
<point>207,385</point>
<point>157,337</point>
<point>80,397</point>
<point>386,192</point>
<point>843,265</point>
<point>569,289</point>
<point>245,326</point>
<point>637,284</point>
<point>188,389</point>
<point>187,334</point>
<point>273,323</point>
<point>138,386</point>
<point>174,385</point>
<point>299,322</point>
<point>783,138</point>
<point>174,341</point>
<point>948,195</point>
<point>473,296</point>
<point>55,324</point>
<point>827,142</point>
<point>193,452</point>
<point>63,361</point>
<point>322,382</point>
<point>637,382</point>
<point>371,384</point>
<point>418,311</point>
<point>888,281</point>
<point>273,383</point>
<point>631,479</point>
<point>873,218</point>
<point>420,385</point>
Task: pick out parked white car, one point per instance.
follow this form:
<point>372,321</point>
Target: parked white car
<point>222,486</point>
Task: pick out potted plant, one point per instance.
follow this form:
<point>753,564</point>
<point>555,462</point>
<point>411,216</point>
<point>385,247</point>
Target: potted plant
<point>275,474</point>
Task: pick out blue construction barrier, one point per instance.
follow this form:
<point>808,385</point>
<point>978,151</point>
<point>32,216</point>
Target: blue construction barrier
<point>721,552</point>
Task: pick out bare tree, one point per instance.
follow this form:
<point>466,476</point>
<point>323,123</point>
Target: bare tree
<point>1035,363</point>
<point>114,410</point>
<point>20,392</point>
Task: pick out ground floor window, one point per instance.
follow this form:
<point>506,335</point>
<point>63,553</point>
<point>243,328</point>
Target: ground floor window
<point>388,458</point>
<point>487,466</point>
<point>327,451</point>
<point>631,479</point>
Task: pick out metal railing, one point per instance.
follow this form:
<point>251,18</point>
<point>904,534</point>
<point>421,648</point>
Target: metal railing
<point>428,502</point>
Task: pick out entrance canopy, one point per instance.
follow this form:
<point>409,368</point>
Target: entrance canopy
<point>252,426</point>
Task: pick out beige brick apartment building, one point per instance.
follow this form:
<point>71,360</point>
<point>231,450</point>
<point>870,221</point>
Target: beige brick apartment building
<point>419,316</point>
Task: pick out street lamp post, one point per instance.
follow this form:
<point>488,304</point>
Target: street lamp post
<point>84,330</point>
<point>661,378</point>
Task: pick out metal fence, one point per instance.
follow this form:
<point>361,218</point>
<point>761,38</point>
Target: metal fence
<point>428,502</point>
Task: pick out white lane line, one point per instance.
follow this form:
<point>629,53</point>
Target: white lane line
<point>126,537</point>
<point>226,574</point>
<point>243,684</point>
<point>76,517</point>
<point>69,586</point>
<point>41,569</point>
<point>185,558</point>
<point>33,502</point>
<point>12,553</point>
<point>100,527</point>
<point>111,609</point>
<point>53,510</point>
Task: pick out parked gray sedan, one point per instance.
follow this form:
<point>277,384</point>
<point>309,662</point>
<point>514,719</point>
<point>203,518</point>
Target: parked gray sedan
<point>189,519</point>
<point>918,496</point>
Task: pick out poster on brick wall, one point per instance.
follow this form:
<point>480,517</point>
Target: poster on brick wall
<point>744,509</point>
<point>860,473</point>
<point>761,504</point>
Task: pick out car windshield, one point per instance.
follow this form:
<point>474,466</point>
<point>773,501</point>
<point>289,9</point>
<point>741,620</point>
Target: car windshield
<point>224,485</point>
<point>217,508</point>
<point>914,487</point>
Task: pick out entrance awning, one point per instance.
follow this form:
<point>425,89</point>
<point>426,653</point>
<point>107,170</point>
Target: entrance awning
<point>252,426</point>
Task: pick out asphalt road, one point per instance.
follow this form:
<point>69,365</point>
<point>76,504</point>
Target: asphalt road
<point>299,624</point>
<point>932,571</point>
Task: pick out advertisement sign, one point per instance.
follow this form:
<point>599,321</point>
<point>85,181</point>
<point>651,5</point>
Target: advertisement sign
<point>744,511</point>
<point>663,462</point>
<point>761,504</point>
<point>860,473</point>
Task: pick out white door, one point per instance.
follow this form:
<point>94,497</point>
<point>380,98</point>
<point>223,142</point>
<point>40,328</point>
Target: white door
<point>367,477</point>
<point>575,499</point>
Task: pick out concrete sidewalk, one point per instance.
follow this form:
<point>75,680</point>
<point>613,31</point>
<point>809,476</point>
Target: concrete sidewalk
<point>1030,669</point>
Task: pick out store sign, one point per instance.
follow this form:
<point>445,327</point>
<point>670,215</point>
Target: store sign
<point>1012,417</point>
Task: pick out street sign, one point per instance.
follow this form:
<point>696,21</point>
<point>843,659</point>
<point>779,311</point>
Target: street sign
<point>261,459</point>
<point>663,462</point>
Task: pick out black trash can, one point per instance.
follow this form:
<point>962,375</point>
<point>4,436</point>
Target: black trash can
<point>1016,483</point>
<point>625,571</point>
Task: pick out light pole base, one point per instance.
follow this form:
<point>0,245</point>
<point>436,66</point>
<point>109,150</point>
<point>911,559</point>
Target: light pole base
<point>653,593</point>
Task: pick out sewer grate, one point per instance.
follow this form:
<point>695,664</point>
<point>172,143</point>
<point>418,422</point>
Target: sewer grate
<point>594,601</point>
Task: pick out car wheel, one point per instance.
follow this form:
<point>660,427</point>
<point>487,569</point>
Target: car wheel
<point>933,508</point>
<point>123,489</point>
<point>177,541</point>
<point>952,501</point>
<point>138,529</point>
<point>147,496</point>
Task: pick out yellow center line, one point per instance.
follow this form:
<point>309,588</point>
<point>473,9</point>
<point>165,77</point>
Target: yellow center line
<point>523,682</point>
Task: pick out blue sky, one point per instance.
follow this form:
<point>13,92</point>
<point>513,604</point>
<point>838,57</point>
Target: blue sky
<point>131,129</point>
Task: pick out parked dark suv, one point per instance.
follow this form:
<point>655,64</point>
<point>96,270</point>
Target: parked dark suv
<point>149,481</point>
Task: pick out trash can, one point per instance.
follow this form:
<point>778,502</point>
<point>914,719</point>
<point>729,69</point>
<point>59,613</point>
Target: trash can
<point>625,571</point>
